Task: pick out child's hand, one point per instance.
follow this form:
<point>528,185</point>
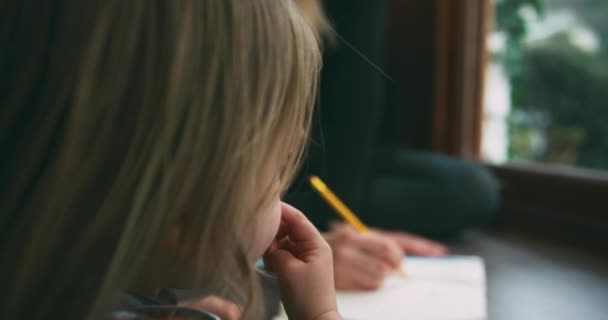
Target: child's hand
<point>303,262</point>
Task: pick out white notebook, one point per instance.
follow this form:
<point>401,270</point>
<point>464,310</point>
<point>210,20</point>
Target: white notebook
<point>449,288</point>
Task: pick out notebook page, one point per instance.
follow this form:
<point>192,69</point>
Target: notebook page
<point>449,288</point>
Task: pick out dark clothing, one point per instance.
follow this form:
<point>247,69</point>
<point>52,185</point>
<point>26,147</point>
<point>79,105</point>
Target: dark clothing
<point>132,307</point>
<point>346,121</point>
<point>428,194</point>
<point>418,192</point>
<point>387,186</point>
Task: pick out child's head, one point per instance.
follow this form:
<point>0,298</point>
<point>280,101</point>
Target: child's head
<point>123,121</point>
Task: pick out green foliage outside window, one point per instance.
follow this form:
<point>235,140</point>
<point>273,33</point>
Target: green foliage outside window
<point>559,91</point>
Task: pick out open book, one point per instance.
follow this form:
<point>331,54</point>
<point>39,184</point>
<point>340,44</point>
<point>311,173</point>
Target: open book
<point>448,288</point>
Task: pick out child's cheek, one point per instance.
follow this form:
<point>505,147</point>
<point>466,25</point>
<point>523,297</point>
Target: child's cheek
<point>267,226</point>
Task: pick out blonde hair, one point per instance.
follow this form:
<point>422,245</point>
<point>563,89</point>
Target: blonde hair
<point>121,120</point>
<point>313,12</point>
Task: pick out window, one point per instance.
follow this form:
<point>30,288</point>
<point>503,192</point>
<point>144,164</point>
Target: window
<point>527,100</point>
<point>546,91</point>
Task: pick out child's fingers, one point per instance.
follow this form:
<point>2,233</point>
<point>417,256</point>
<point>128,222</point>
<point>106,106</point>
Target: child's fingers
<point>300,228</point>
<point>303,263</point>
<point>278,242</point>
<point>297,242</point>
<point>283,230</point>
<point>278,261</point>
<point>266,257</point>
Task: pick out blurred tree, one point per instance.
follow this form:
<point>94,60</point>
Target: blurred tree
<point>592,13</point>
<point>511,22</point>
<point>570,88</point>
<point>559,92</point>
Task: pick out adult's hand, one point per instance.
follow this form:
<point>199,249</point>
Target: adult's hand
<point>415,245</point>
<point>362,261</point>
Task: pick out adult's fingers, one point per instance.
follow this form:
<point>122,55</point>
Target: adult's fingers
<point>356,281</point>
<point>379,245</point>
<point>361,261</point>
<point>356,270</point>
<point>354,263</point>
<point>417,245</point>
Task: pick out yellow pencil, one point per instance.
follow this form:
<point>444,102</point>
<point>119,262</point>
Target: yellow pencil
<point>323,190</point>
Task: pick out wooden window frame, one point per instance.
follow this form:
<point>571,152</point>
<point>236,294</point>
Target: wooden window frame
<point>461,29</point>
<point>565,202</point>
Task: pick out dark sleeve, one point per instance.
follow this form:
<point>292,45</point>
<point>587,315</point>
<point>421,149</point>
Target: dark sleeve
<point>140,308</point>
<point>351,101</point>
